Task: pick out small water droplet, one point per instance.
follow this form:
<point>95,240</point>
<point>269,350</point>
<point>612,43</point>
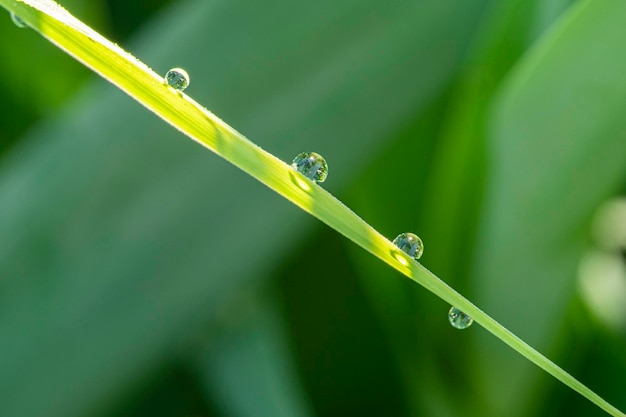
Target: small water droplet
<point>18,21</point>
<point>177,78</point>
<point>410,244</point>
<point>311,165</point>
<point>458,319</point>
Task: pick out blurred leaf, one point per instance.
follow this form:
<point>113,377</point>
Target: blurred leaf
<point>545,14</point>
<point>399,309</point>
<point>342,354</point>
<point>443,208</point>
<point>128,16</point>
<point>455,190</point>
<point>557,149</point>
<point>171,390</point>
<point>119,243</point>
<point>247,369</point>
<point>601,360</point>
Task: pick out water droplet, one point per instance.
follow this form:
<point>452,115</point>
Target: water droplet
<point>18,21</point>
<point>410,244</point>
<point>458,319</point>
<point>311,165</point>
<point>177,78</point>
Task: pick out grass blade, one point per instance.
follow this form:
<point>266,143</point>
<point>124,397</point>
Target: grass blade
<point>182,112</point>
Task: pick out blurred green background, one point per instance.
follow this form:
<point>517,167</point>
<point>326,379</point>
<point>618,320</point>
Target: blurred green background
<point>141,275</point>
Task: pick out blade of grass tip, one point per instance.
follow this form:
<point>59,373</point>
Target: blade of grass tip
<point>183,113</point>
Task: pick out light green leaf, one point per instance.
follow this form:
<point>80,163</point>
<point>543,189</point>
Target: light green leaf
<point>557,150</point>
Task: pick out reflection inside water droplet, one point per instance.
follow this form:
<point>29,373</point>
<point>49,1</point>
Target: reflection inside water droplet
<point>18,21</point>
<point>311,165</point>
<point>177,78</point>
<point>458,319</point>
<point>410,244</point>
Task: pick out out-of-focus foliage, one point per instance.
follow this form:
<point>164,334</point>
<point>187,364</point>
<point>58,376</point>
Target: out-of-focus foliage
<point>141,275</point>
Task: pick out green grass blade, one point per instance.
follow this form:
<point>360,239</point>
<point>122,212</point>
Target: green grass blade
<point>145,86</point>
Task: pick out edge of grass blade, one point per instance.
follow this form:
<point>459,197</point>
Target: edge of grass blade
<point>145,86</point>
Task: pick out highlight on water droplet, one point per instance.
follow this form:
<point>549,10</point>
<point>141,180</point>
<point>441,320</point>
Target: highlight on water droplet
<point>312,166</point>
<point>177,78</point>
<point>410,244</point>
<point>18,21</point>
<point>458,319</point>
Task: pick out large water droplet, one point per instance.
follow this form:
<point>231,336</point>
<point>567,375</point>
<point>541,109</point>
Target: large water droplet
<point>18,21</point>
<point>177,78</point>
<point>311,165</point>
<point>458,319</point>
<point>410,244</point>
